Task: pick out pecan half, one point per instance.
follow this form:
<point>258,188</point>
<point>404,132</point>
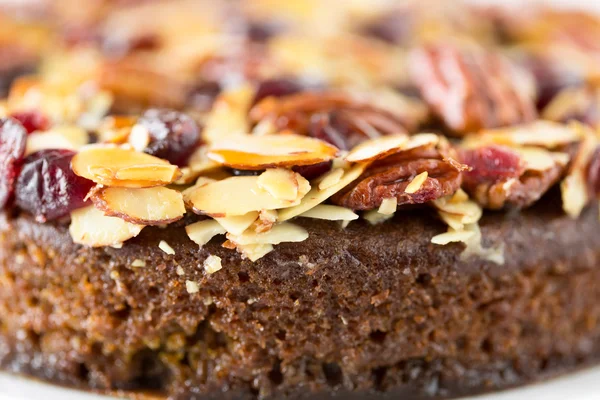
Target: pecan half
<point>499,177</point>
<point>472,89</point>
<point>339,118</point>
<point>389,178</point>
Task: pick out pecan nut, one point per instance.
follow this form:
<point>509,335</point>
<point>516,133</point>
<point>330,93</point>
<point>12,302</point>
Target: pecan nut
<point>339,118</point>
<point>389,178</point>
<point>472,89</point>
<point>499,178</point>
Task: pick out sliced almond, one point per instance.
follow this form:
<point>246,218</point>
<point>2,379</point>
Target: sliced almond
<point>266,220</point>
<point>116,166</point>
<point>388,206</point>
<point>377,148</point>
<point>540,133</point>
<point>537,159</point>
<point>283,184</point>
<point>452,236</point>
<point>574,189</point>
<point>280,233</point>
<point>422,140</point>
<point>260,152</point>
<point>37,141</point>
<point>330,213</point>
<point>202,232</point>
<point>212,264</point>
<point>236,225</point>
<point>139,137</point>
<point>166,247</point>
<point>317,196</point>
<point>374,217</point>
<point>416,183</point>
<point>229,114</point>
<point>116,128</point>
<point>89,226</point>
<point>468,210</point>
<point>254,252</point>
<point>233,196</point>
<point>145,206</point>
<point>331,178</point>
<point>198,164</point>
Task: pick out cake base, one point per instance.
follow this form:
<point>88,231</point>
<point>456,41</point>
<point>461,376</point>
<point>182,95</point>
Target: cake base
<point>365,312</point>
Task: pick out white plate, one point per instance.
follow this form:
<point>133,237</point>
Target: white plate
<point>584,385</point>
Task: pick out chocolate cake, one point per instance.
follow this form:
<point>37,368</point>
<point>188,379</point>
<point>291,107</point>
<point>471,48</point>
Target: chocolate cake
<point>290,200</point>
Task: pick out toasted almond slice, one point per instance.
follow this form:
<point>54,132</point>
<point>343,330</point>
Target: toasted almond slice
<point>198,164</point>
<point>540,133</point>
<point>316,196</point>
<point>236,225</point>
<point>374,217</point>
<point>116,166</point>
<point>330,213</point>
<point>254,252</point>
<point>421,140</point>
<point>377,148</point>
<point>237,195</point>
<point>139,137</point>
<point>266,220</point>
<point>536,159</point>
<point>212,264</point>
<point>459,197</point>
<point>470,211</point>
<point>454,221</point>
<point>452,236</point>
<point>202,232</point>
<point>145,206</point>
<point>37,141</point>
<point>229,114</point>
<point>416,183</point>
<point>285,232</point>
<point>331,178</point>
<point>388,206</point>
<point>574,189</point>
<point>283,184</point>
<point>89,226</point>
<point>166,247</point>
<point>260,152</point>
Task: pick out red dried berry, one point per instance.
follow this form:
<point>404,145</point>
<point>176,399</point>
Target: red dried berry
<point>173,135</point>
<point>313,171</point>
<point>32,120</point>
<point>491,164</point>
<point>47,187</point>
<point>276,88</point>
<point>13,138</point>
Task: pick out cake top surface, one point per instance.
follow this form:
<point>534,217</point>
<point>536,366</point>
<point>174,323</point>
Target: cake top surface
<point>252,114</point>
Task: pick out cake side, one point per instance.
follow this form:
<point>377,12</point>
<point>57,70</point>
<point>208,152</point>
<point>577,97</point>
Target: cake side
<point>314,317</point>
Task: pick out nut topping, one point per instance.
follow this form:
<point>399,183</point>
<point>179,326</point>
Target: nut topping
<point>145,206</point>
<point>330,213</point>
<point>472,89</point>
<point>283,184</point>
<point>202,231</point>
<point>260,152</point>
<point>90,227</point>
<point>120,167</point>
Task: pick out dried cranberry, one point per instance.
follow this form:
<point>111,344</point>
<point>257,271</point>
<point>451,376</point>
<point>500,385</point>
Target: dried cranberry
<point>593,173</point>
<point>32,120</point>
<point>13,138</point>
<point>313,171</point>
<point>47,187</point>
<point>202,97</point>
<point>173,135</point>
<point>276,88</point>
<point>491,164</point>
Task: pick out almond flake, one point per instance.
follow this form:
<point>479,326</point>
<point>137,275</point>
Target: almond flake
<point>233,196</point>
<point>198,164</point>
<point>254,252</point>
<point>212,264</point>
<point>89,226</point>
<point>330,213</point>
<point>388,206</point>
<point>421,140</point>
<point>260,152</point>
<point>537,159</point>
<point>573,188</point>
<point>280,233</point>
<point>331,178</point>
<point>468,211</point>
<point>115,166</point>
<point>317,196</point>
<point>164,246</point>
<point>374,217</point>
<point>192,287</point>
<point>451,236</point>
<point>540,133</point>
<point>266,220</point>
<point>283,184</point>
<point>139,137</point>
<point>375,149</point>
<point>474,247</point>
<point>37,141</point>
<point>145,206</point>
<point>229,114</point>
<point>236,225</point>
<point>138,263</point>
<point>416,183</point>
<point>202,232</point>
